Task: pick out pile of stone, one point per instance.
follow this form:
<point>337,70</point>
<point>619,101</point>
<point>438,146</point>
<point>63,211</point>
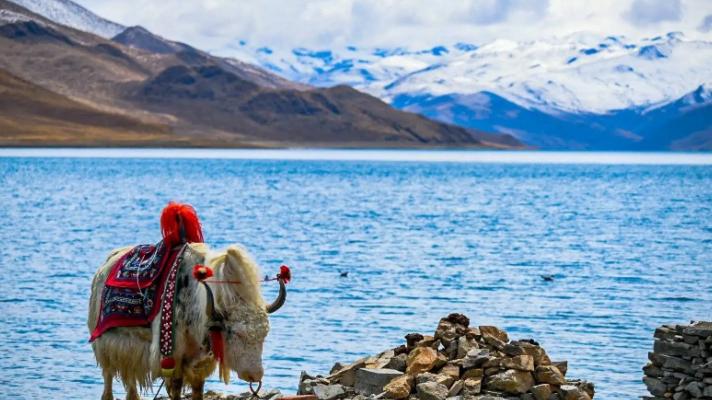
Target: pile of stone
<point>458,362</point>
<point>680,365</point>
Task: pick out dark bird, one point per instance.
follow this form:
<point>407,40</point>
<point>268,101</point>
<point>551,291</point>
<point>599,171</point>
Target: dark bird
<point>547,278</point>
<point>344,274</point>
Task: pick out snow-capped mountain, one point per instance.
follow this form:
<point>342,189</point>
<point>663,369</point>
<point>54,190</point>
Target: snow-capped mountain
<point>578,73</point>
<point>71,14</point>
<point>580,91</point>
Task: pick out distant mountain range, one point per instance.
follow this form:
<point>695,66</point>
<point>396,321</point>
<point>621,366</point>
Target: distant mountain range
<point>71,78</point>
<point>582,91</point>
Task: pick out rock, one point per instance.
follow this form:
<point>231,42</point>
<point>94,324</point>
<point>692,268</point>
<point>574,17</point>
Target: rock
<point>472,386</point>
<point>447,331</point>
<point>700,328</point>
<point>542,391</point>
<point>510,381</point>
<point>512,350</point>
<point>398,362</point>
<point>337,367</point>
<point>329,392</point>
<point>431,391</point>
<point>586,387</point>
<point>438,378</point>
<point>563,366</point>
<point>493,331</point>
<point>455,389</point>
<point>523,363</point>
<point>464,345</point>
<point>306,386</point>
<point>571,392</point>
<point>412,339</point>
<point>475,373</point>
<point>459,319</point>
<point>444,380</point>
<point>694,389</point>
<point>655,386</point>
<point>540,356</point>
<point>549,374</point>
<point>347,375</point>
<point>425,377</point>
<point>421,359</point>
<point>371,380</point>
<point>707,392</point>
<point>476,358</point>
<point>451,370</point>
<point>399,388</point>
<point>427,341</point>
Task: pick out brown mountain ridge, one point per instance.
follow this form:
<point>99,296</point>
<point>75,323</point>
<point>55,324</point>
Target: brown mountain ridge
<point>63,87</point>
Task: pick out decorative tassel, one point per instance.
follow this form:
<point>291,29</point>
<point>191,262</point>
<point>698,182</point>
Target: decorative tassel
<point>179,222</point>
<point>218,347</point>
<point>201,272</point>
<point>168,365</point>
<point>216,344</point>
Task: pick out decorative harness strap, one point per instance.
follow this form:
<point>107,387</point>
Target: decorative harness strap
<point>167,327</point>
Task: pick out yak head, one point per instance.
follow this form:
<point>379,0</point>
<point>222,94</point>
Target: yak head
<point>244,312</point>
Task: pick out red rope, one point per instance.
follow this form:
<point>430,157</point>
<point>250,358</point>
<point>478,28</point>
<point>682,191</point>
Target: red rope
<point>238,282</point>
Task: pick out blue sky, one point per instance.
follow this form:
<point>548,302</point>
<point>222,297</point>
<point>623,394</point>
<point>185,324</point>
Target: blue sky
<point>218,25</point>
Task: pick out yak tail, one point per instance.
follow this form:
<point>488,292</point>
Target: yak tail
<point>179,224</point>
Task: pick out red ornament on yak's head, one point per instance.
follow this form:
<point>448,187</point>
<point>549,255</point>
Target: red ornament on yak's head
<point>180,224</point>
<point>201,272</point>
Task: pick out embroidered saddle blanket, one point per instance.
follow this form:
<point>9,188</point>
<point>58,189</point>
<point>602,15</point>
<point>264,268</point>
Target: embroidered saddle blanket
<point>133,291</point>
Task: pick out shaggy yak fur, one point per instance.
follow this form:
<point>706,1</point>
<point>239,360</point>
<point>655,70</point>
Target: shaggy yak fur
<point>132,353</point>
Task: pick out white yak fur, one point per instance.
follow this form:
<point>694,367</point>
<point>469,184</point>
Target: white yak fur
<point>132,353</point>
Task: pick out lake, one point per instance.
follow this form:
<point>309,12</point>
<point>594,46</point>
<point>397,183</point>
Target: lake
<point>627,237</point>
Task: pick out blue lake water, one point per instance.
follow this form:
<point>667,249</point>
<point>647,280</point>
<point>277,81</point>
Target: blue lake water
<point>628,238</point>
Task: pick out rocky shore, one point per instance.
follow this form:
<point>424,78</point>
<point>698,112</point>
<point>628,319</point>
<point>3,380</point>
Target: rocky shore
<point>457,362</point>
<point>680,366</point>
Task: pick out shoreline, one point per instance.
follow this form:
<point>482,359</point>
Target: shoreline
<point>450,155</point>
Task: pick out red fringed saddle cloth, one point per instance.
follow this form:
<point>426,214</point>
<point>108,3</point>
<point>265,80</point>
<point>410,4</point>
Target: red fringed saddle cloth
<point>133,291</point>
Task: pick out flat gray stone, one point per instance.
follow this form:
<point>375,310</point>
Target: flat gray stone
<point>329,392</point>
<point>372,380</point>
<point>432,391</point>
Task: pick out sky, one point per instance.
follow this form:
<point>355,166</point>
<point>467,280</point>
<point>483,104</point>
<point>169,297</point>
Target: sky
<point>219,25</point>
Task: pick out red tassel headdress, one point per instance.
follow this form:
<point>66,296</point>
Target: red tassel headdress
<point>180,223</point>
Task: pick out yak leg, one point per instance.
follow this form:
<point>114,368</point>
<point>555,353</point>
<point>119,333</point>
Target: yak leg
<point>176,388</point>
<point>131,392</point>
<point>197,390</point>
<point>108,391</point>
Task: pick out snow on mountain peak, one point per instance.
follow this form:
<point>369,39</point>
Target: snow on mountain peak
<point>71,14</point>
<point>581,72</point>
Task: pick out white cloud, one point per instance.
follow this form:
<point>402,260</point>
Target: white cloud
<point>218,25</point>
<point>706,24</point>
<point>643,12</point>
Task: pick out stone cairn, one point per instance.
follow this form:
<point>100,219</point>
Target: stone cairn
<point>458,362</point>
<point>680,365</point>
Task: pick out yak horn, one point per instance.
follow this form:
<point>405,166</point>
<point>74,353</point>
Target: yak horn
<point>210,303</point>
<point>281,298</point>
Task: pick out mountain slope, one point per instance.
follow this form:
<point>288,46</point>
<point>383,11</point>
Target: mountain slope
<point>71,14</point>
<point>31,114</point>
<point>678,125</point>
<point>202,99</point>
